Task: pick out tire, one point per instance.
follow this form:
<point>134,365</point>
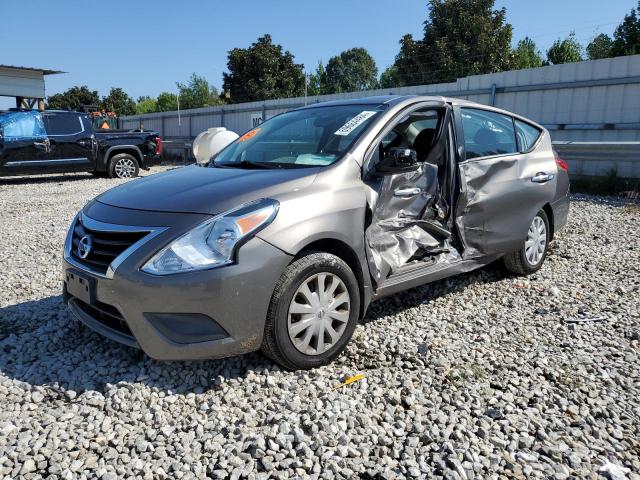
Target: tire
<point>123,165</point>
<point>525,261</point>
<point>285,333</point>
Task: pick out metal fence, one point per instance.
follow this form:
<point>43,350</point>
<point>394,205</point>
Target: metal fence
<point>592,101</point>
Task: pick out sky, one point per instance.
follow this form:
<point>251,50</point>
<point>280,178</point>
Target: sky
<point>146,46</point>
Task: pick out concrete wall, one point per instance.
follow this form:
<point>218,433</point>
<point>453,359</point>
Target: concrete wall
<point>592,101</point>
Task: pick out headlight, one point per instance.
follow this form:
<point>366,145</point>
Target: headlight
<point>214,242</point>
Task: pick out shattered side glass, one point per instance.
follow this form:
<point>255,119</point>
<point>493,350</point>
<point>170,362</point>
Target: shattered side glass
<point>22,126</point>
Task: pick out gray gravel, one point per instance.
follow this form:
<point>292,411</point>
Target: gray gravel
<point>478,376</point>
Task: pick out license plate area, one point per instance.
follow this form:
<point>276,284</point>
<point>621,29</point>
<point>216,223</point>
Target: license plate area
<point>80,286</point>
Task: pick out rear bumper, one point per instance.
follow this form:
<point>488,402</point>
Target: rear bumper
<point>198,315</point>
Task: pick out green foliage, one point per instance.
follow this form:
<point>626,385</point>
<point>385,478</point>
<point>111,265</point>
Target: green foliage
<point>118,101</point>
<point>600,47</point>
<point>262,72</point>
<point>409,62</point>
<point>197,93</point>
<point>568,50</point>
<point>389,78</point>
<point>318,81</point>
<point>74,99</point>
<point>146,104</point>
<point>167,102</point>
<point>461,38</point>
<point>626,39</point>
<point>351,71</point>
<point>526,55</point>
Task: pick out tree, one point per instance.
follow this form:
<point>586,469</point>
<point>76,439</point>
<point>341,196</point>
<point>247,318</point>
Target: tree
<point>261,72</point>
<point>197,93</point>
<point>568,50</point>
<point>318,81</point>
<point>74,99</point>
<point>461,38</point>
<point>626,38</point>
<point>351,71</point>
<point>146,104</point>
<point>167,102</point>
<point>409,62</point>
<point>600,47</point>
<point>118,101</point>
<point>389,78</point>
<point>526,55</point>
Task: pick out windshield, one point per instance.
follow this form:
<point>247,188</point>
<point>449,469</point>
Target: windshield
<point>313,137</point>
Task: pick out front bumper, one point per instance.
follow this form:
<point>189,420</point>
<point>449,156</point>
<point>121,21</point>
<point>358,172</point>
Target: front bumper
<point>207,314</point>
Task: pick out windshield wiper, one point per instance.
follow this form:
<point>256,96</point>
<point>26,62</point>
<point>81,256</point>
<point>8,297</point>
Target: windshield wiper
<point>248,164</point>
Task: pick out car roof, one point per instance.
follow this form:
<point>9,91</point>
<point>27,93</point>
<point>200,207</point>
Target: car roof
<point>392,100</point>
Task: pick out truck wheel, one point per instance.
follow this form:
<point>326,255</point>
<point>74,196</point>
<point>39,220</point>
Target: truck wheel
<point>123,165</point>
<point>530,257</point>
<point>313,312</point>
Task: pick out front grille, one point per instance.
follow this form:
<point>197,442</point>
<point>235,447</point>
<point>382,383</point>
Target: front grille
<point>105,314</point>
<point>106,245</point>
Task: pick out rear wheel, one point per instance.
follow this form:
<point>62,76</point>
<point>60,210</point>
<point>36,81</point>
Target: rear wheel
<point>313,312</point>
<point>530,257</point>
<point>123,165</point>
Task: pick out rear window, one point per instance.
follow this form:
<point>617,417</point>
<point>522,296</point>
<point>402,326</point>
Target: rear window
<point>63,124</point>
<point>487,133</point>
<point>527,135</point>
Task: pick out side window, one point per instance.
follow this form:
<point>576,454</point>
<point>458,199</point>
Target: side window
<point>63,124</point>
<point>22,126</point>
<point>487,133</point>
<point>527,135</point>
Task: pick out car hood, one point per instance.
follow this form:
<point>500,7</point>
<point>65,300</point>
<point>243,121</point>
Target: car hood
<point>196,189</point>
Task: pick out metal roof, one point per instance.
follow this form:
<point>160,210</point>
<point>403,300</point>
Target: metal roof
<point>44,71</point>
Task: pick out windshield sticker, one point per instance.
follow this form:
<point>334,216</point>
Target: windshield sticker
<point>354,123</point>
<point>249,135</point>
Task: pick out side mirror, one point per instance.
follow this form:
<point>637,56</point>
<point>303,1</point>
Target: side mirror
<point>398,160</point>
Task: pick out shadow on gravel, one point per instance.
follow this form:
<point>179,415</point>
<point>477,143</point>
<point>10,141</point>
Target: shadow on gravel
<point>43,345</point>
<point>494,272</point>
<point>34,180</point>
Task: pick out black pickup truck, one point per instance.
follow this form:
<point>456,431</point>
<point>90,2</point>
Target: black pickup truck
<point>52,141</point>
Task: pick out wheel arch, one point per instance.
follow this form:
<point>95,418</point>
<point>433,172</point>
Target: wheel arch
<point>132,150</point>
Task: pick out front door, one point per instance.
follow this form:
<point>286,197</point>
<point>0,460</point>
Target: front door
<point>498,198</point>
<point>409,211</point>
<point>23,141</point>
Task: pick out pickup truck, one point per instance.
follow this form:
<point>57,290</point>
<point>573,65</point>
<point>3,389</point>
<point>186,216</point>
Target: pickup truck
<point>53,141</point>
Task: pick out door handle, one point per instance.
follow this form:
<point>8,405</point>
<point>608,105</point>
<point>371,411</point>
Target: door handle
<point>45,145</point>
<point>542,177</point>
<point>407,192</point>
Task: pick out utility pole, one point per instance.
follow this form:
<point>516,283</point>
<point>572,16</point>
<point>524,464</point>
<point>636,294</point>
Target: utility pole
<point>178,98</point>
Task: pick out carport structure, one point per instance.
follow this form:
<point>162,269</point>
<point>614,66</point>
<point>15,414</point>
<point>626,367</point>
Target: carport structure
<point>26,84</point>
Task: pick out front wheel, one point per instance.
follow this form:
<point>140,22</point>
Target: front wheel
<point>531,255</point>
<point>313,312</point>
<point>123,165</point>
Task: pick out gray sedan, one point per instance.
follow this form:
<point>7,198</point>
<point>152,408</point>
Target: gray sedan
<point>284,237</point>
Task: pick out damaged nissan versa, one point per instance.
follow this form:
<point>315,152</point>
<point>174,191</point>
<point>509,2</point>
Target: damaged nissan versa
<point>283,238</point>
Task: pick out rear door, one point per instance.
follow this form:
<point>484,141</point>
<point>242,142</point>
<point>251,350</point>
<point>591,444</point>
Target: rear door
<point>71,141</point>
<point>499,194</point>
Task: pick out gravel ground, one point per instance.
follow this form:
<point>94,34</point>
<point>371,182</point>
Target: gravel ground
<point>478,376</point>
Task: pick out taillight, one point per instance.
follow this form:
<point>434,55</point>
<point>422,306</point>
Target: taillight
<point>158,146</point>
<point>561,163</point>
